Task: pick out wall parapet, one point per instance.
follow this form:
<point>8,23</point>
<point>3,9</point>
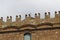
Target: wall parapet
<point>30,20</point>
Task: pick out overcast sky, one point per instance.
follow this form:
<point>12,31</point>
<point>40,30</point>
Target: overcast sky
<point>22,7</point>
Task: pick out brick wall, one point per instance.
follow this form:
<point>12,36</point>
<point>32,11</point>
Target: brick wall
<point>35,35</point>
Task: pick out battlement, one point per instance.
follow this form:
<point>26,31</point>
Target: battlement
<point>30,20</point>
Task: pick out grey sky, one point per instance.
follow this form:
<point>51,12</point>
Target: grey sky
<point>16,7</point>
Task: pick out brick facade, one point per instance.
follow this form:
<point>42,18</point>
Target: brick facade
<point>40,29</point>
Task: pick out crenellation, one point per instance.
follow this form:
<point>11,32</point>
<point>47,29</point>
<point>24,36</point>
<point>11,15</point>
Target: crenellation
<point>59,15</point>
<point>10,18</point>
<point>39,15</point>
<point>49,13</point>
<point>25,15</point>
<point>7,18</point>
<point>1,22</point>
<point>45,13</point>
<point>55,12</point>
<point>18,21</point>
<point>20,16</point>
<point>29,15</point>
<point>33,27</point>
<point>9,21</point>
<point>47,17</point>
<point>35,15</point>
<point>1,18</point>
<point>56,20</point>
<point>16,17</point>
<point>59,12</point>
<point>35,19</point>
